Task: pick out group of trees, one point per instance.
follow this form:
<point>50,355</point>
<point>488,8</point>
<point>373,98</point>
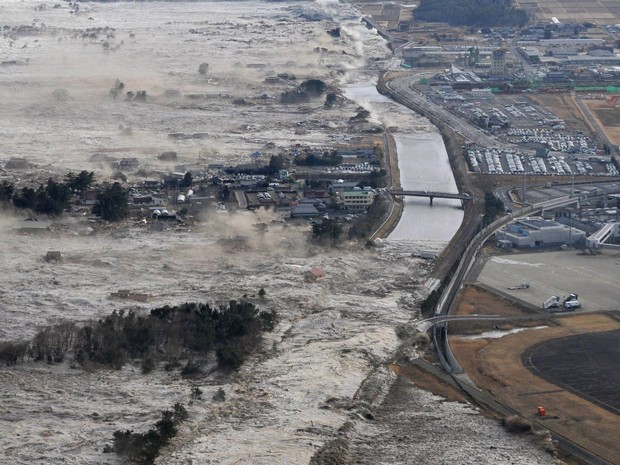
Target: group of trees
<point>327,158</point>
<point>51,198</point>
<point>366,224</point>
<point>479,13</point>
<point>328,230</point>
<point>190,331</point>
<point>54,197</point>
<point>143,448</point>
<point>493,207</point>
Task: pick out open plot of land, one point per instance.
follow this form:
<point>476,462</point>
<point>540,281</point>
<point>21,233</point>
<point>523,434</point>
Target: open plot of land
<point>585,364</point>
<point>607,116</point>
<point>595,11</point>
<point>495,365</point>
<point>596,279</point>
<point>564,107</point>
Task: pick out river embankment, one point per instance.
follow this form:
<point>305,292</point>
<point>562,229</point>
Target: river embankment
<point>452,142</point>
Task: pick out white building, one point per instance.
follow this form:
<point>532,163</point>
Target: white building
<point>537,232</point>
<point>356,200</point>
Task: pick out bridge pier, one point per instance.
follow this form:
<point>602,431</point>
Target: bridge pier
<point>431,197</point>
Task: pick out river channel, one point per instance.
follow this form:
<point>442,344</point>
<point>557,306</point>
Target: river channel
<point>424,165</point>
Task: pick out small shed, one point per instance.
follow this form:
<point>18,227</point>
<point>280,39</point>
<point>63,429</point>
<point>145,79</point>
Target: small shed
<point>314,274</point>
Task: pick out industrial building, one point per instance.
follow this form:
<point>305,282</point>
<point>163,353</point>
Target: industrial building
<point>536,232</point>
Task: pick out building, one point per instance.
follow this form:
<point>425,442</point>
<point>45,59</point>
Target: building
<point>356,200</point>
<point>532,54</point>
<point>314,274</point>
<point>18,164</point>
<point>537,232</point>
<point>128,164</point>
<point>304,210</point>
<point>498,62</point>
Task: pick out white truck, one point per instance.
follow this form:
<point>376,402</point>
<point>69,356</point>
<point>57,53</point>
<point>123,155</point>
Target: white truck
<point>572,302</point>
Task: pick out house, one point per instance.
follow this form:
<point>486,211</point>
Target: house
<point>18,164</point>
<point>128,164</point>
<point>314,274</point>
<point>89,197</point>
<point>143,200</point>
<point>304,211</point>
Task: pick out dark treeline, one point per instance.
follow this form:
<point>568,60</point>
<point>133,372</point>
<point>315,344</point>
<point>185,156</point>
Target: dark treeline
<point>190,331</point>
<point>50,199</point>
<point>143,448</point>
<point>493,207</point>
<point>327,158</point>
<point>480,13</point>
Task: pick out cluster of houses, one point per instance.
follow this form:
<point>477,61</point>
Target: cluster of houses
<point>158,199</point>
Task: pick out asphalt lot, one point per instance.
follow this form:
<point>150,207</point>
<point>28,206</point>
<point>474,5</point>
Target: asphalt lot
<point>596,279</point>
<point>584,364</point>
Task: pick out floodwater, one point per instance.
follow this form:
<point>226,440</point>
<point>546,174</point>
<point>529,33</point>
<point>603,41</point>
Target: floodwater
<point>424,165</point>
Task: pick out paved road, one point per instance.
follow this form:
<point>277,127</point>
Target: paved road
<point>418,100</point>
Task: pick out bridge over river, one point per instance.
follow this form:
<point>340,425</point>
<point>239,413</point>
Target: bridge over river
<point>431,194</point>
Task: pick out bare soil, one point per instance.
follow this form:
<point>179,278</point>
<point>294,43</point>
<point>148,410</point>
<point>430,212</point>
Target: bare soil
<point>564,107</point>
<point>495,365</point>
<point>607,116</point>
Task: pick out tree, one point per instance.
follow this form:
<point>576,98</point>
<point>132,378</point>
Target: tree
<point>26,199</point>
<point>328,228</point>
<point>187,179</point>
<point>80,182</point>
<point>7,190</point>
<point>276,163</point>
<point>330,100</point>
<point>493,206</point>
<point>112,203</point>
<point>314,87</point>
<point>203,68</point>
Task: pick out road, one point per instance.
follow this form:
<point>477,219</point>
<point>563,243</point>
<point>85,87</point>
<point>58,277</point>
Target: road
<point>440,329</point>
<point>419,101</point>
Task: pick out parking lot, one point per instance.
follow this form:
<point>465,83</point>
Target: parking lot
<point>520,121</point>
<point>498,161</point>
<point>596,279</point>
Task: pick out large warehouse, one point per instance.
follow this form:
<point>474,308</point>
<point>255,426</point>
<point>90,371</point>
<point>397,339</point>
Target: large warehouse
<point>537,232</point>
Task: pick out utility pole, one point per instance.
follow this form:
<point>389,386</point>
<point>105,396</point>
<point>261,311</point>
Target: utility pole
<point>523,192</point>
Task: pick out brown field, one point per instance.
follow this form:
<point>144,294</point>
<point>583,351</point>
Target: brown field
<point>495,365</point>
<point>564,107</point>
<point>607,116</point>
<point>594,11</point>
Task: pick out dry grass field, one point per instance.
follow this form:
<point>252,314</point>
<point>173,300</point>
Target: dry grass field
<point>607,116</point>
<point>495,365</point>
<point>594,11</point>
